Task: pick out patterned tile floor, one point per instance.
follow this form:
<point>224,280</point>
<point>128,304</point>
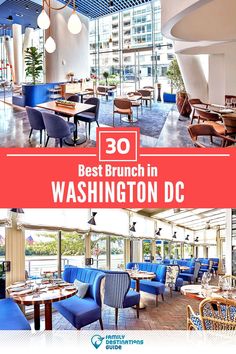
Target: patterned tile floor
<point>169,315</point>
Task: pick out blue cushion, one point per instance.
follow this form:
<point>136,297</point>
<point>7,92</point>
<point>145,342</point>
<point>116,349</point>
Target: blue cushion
<point>81,287</point>
<point>79,312</point>
<point>11,316</point>
<point>152,287</point>
<point>186,276</point>
<point>132,298</point>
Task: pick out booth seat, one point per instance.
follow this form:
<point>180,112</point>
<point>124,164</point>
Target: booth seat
<point>81,312</point>
<point>187,275</point>
<point>215,264</point>
<point>11,317</point>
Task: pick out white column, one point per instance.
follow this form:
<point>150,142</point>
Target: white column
<point>18,57</point>
<point>15,253</point>
<point>9,52</point>
<point>137,251</point>
<point>72,53</point>
<point>228,242</point>
<point>193,75</point>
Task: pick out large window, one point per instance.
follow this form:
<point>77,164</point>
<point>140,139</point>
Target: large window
<point>130,47</point>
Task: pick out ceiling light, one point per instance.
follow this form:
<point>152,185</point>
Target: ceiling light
<point>43,20</point>
<point>187,238</point>
<point>158,233</point>
<point>92,220</point>
<point>111,5</point>
<point>174,235</point>
<point>9,18</point>
<point>19,15</point>
<point>50,45</point>
<point>17,210</point>
<point>196,239</point>
<point>74,23</point>
<point>132,227</point>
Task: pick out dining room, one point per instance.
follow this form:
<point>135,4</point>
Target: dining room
<point>160,261</point>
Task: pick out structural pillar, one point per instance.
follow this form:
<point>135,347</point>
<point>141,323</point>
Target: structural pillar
<point>15,252</point>
<point>18,55</point>
<point>10,56</point>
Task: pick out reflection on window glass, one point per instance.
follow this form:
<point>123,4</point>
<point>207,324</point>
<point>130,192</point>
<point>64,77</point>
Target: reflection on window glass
<point>73,249</point>
<point>117,253</point>
<point>99,251</point>
<point>147,250</point>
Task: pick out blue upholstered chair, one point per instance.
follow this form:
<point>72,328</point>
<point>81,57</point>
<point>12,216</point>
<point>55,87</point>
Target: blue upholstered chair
<point>81,312</point>
<point>155,286</point>
<point>57,128</point>
<point>91,115</point>
<point>36,121</point>
<point>118,293</point>
<point>11,317</point>
<point>192,275</point>
<point>215,264</point>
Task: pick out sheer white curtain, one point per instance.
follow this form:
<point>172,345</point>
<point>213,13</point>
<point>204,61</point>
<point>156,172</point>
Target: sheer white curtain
<point>111,221</point>
<point>145,227</point>
<point>4,216</point>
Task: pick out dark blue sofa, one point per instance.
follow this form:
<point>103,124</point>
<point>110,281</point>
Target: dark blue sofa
<point>11,317</point>
<point>155,286</point>
<point>81,312</point>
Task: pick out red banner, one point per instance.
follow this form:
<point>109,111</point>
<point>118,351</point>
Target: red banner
<point>117,173</point>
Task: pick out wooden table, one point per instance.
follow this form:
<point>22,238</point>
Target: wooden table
<point>79,108</point>
<point>215,109</point>
<point>194,292</point>
<point>46,298</point>
<point>137,276</point>
<point>184,268</point>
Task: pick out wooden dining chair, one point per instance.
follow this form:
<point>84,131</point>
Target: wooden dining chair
<point>216,314</point>
<point>146,96</point>
<point>230,124</point>
<point>194,101</point>
<point>122,106</point>
<point>206,130</point>
<point>138,102</point>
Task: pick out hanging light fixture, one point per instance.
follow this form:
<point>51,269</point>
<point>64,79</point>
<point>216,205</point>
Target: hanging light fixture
<point>92,220</point>
<point>187,238</point>
<point>17,210</point>
<point>43,19</point>
<point>132,227</point>
<point>74,23</point>
<point>50,44</point>
<point>174,235</point>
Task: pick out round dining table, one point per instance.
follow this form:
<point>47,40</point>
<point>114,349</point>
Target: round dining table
<point>137,276</point>
<point>44,296</point>
<point>195,292</point>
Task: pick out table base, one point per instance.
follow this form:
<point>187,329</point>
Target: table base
<point>127,120</point>
<point>81,139</point>
<point>142,305</point>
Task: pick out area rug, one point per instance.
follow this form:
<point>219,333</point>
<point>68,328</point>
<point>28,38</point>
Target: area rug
<point>150,122</point>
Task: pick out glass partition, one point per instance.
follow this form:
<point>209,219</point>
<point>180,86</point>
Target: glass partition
<point>117,253</point>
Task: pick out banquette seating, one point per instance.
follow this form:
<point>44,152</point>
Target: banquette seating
<point>190,275</point>
<point>82,311</point>
<point>155,286</point>
<point>11,317</point>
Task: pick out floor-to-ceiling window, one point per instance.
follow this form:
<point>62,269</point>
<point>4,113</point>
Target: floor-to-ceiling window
<point>130,47</point>
<point>117,252</point>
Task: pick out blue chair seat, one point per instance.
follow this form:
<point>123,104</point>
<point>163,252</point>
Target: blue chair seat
<point>152,287</point>
<point>79,312</point>
<point>86,117</point>
<point>132,298</point>
<point>11,317</point>
<point>186,276</point>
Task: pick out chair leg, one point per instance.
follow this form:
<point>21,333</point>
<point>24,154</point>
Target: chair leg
<point>156,300</point>
<point>61,143</point>
<point>162,296</point>
<point>47,141</point>
<point>97,123</point>
<point>171,292</point>
<point>41,137</point>
<point>101,323</point>
<point>89,129</point>
<point>116,316</point>
<point>113,119</point>
<point>31,131</point>
<point>137,310</point>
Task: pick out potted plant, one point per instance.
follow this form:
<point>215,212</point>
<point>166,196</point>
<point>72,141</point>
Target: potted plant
<point>106,76</point>
<point>174,74</point>
<point>34,63</point>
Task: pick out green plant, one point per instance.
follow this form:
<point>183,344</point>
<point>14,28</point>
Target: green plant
<point>174,74</point>
<point>106,76</point>
<point>34,63</point>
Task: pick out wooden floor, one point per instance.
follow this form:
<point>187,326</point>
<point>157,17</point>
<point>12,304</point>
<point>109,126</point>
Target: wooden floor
<point>169,315</point>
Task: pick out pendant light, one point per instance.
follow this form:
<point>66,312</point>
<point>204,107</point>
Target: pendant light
<point>50,45</point>
<point>74,23</point>
<point>43,19</point>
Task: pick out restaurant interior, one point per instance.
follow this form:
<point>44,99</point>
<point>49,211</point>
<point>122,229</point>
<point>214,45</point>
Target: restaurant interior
<point>142,269</point>
<point>140,63</point>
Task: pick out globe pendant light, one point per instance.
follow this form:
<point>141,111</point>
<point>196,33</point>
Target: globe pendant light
<point>50,45</point>
<point>74,23</point>
<point>43,20</point>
